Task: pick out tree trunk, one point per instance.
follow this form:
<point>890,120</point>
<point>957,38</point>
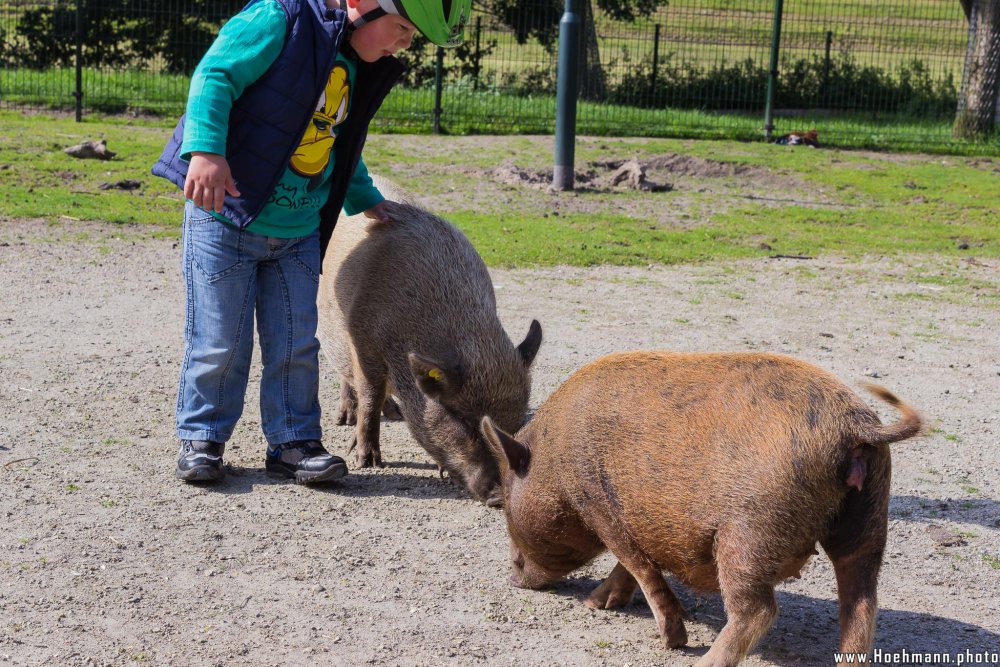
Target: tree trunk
<point>593,84</point>
<point>977,103</point>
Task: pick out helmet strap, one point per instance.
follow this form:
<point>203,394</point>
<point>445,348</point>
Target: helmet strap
<point>368,17</point>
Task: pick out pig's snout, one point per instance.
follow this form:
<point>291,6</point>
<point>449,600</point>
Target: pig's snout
<point>483,483</point>
<point>517,568</point>
<point>532,579</point>
<point>495,498</point>
<point>528,574</point>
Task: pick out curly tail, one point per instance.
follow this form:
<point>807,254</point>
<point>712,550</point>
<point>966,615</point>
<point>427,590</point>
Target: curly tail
<point>910,425</point>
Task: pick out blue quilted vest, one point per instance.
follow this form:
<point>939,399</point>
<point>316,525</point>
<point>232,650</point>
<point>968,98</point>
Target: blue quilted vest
<point>268,120</point>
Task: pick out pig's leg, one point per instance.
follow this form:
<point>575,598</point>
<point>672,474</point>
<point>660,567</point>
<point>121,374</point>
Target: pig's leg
<point>371,389</point>
<point>633,561</point>
<point>857,580</point>
<point>855,545</point>
<point>348,411</point>
<point>748,596</point>
<point>616,591</point>
<point>667,609</point>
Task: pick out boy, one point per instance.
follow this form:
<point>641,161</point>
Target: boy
<point>267,154</point>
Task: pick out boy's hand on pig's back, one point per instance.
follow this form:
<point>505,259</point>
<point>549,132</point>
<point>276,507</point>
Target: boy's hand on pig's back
<point>208,181</point>
<point>378,212</point>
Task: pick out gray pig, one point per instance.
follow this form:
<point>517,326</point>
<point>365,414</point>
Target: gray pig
<point>407,309</point>
<point>723,469</point>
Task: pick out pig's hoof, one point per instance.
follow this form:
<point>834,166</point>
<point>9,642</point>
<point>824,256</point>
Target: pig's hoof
<point>369,460</point>
<point>346,418</point>
<point>614,592</point>
<point>608,599</point>
<point>674,635</point>
<point>709,660</point>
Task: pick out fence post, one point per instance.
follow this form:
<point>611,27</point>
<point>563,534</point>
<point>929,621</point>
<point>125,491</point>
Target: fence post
<point>479,54</point>
<point>438,85</point>
<point>772,75</point>
<point>566,93</point>
<point>656,63</point>
<point>78,93</point>
<point>826,67</point>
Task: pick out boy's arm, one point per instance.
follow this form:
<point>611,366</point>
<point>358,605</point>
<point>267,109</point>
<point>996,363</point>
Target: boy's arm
<point>362,195</point>
<point>246,46</point>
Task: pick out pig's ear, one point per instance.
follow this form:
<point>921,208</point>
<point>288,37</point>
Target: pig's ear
<point>435,379</point>
<point>529,346</point>
<point>508,451</point>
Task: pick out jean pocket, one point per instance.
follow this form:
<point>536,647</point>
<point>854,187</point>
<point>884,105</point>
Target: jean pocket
<point>307,256</point>
<point>216,248</point>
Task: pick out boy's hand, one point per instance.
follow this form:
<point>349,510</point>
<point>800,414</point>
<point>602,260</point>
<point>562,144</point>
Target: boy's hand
<point>378,212</point>
<point>208,181</point>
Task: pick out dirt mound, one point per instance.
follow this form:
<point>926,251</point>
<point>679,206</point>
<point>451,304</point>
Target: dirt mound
<point>686,165</point>
<point>632,173</point>
<point>625,174</point>
<point>514,175</point>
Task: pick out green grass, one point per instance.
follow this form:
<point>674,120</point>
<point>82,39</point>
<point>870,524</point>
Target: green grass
<point>130,91</point>
<point>584,240</point>
<point>848,204</point>
<point>729,27</point>
<point>40,181</point>
<point>467,112</point>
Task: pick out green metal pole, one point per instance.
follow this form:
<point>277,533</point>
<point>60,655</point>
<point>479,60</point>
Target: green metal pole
<point>566,93</point>
<point>438,86</point>
<point>826,69</point>
<point>656,62</point>
<point>772,75</point>
<point>479,54</point>
<point>78,93</point>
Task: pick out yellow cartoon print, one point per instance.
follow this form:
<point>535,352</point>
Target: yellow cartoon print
<point>313,153</point>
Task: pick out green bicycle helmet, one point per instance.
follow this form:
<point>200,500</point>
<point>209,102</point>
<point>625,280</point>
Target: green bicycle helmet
<point>441,21</point>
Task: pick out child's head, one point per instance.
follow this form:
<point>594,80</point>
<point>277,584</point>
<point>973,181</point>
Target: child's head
<point>383,27</point>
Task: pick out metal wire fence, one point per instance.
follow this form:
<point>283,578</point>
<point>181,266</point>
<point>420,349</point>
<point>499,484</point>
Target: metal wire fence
<point>883,74</point>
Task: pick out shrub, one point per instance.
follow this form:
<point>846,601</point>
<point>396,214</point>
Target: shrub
<point>117,33</point>
<point>804,83</point>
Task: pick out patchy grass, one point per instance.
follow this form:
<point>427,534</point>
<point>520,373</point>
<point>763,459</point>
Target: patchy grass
<point>38,180</point>
<point>858,203</point>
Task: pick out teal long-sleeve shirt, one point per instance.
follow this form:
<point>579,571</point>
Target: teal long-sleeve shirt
<point>246,46</point>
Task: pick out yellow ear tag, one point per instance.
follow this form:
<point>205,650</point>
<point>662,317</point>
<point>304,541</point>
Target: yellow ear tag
<point>435,374</point>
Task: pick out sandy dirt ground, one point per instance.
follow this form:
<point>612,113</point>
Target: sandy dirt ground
<point>106,559</point>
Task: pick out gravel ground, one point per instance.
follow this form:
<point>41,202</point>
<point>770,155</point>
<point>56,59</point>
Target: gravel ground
<point>106,559</point>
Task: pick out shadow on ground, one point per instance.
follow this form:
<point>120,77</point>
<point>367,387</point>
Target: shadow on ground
<point>806,631</point>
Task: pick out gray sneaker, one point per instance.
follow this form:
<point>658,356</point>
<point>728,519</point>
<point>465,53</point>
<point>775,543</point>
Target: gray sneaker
<point>200,461</point>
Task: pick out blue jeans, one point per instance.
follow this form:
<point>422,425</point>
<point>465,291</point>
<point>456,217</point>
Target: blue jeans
<point>230,276</point>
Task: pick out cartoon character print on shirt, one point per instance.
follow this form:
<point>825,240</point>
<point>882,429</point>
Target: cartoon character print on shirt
<point>313,153</point>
